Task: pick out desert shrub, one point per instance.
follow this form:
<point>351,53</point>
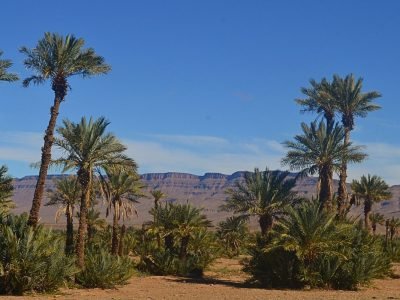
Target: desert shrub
<point>31,259</point>
<point>392,249</point>
<point>104,270</point>
<point>310,247</point>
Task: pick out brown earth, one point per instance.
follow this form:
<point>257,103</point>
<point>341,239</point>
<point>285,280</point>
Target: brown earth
<point>224,280</point>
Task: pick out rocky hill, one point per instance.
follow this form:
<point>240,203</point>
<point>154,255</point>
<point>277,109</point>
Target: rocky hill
<point>207,191</point>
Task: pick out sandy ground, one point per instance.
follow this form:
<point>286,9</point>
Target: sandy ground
<point>224,280</point>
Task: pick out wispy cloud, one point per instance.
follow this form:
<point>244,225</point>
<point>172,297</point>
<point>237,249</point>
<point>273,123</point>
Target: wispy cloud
<point>200,154</point>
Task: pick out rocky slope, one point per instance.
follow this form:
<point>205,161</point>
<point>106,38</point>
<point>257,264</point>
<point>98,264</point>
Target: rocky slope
<point>207,191</point>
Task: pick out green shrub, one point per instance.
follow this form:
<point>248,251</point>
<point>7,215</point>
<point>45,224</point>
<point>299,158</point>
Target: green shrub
<point>104,270</point>
<point>309,247</point>
<point>31,259</point>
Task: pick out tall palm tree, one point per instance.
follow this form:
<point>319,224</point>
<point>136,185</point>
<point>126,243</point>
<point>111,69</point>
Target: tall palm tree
<point>6,191</point>
<point>320,149</point>
<point>351,102</point>
<point>56,58</point>
<point>376,218</point>
<point>66,195</point>
<point>318,100</point>
<point>262,194</point>
<point>87,148</point>
<point>120,189</point>
<point>4,65</point>
<point>370,189</point>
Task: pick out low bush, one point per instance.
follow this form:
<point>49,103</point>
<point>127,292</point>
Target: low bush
<point>31,259</point>
<point>104,270</point>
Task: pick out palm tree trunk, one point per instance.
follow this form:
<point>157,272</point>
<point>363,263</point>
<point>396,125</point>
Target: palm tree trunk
<point>44,164</point>
<point>69,242</point>
<point>265,222</point>
<point>374,228</point>
<point>183,248</point>
<point>121,241</point>
<point>342,191</point>
<point>114,243</point>
<point>367,212</point>
<point>326,188</point>
<point>85,179</point>
<point>169,242</point>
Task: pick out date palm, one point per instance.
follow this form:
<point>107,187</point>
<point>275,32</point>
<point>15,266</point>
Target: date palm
<point>351,102</point>
<point>264,194</point>
<point>157,195</point>
<point>375,219</point>
<point>233,233</point>
<point>6,191</point>
<point>66,196</point>
<point>320,150</point>
<point>5,64</point>
<point>120,189</point>
<point>393,227</point>
<point>318,100</point>
<point>87,148</point>
<point>57,58</point>
<point>370,189</point>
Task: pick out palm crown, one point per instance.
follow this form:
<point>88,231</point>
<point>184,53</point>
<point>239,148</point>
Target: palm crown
<point>4,65</point>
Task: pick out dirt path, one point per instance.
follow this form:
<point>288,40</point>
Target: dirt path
<point>225,280</point>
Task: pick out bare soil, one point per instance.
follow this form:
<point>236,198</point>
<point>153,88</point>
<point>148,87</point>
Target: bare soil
<point>224,280</point>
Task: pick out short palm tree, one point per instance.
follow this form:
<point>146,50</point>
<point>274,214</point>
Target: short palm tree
<point>157,195</point>
<point>393,227</point>
<point>264,194</point>
<point>376,219</point>
<point>318,100</point>
<point>120,189</point>
<point>94,222</point>
<point>370,189</point>
<point>87,148</point>
<point>56,58</point>
<point>320,149</point>
<point>351,102</point>
<point>6,191</point>
<point>233,233</point>
<point>66,196</point>
<point>5,64</point>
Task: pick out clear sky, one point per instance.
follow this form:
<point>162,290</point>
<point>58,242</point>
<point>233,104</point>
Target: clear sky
<point>206,86</point>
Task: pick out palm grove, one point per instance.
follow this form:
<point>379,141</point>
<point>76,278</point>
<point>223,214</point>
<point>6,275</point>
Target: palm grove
<point>301,241</point>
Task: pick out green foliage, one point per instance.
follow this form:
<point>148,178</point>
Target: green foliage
<point>178,242</point>
<point>310,247</point>
<point>263,194</point>
<point>31,259</point>
<point>233,234</point>
<point>103,270</point>
<point>6,191</point>
<point>4,65</point>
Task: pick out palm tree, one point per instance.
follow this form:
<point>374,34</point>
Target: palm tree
<point>157,195</point>
<point>262,194</point>
<point>94,222</point>
<point>318,100</point>
<point>233,234</point>
<point>376,218</point>
<point>320,149</point>
<point>87,147</point>
<point>120,190</point>
<point>351,102</point>
<point>371,189</point>
<point>67,193</point>
<point>57,58</point>
<point>4,65</point>
<point>393,227</point>
<point>6,191</point>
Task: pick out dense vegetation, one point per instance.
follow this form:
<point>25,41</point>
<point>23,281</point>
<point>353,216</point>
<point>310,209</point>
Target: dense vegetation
<point>301,243</point>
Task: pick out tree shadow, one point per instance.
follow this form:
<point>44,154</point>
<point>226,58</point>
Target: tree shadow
<point>206,280</point>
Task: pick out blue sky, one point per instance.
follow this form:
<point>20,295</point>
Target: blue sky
<point>206,86</point>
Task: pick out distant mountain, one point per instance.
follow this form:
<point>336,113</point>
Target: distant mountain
<point>207,191</point>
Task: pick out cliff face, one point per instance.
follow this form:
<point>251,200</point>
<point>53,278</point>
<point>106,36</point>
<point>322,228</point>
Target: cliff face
<point>207,192</point>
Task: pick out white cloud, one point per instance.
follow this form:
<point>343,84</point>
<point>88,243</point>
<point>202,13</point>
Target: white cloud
<point>191,140</point>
